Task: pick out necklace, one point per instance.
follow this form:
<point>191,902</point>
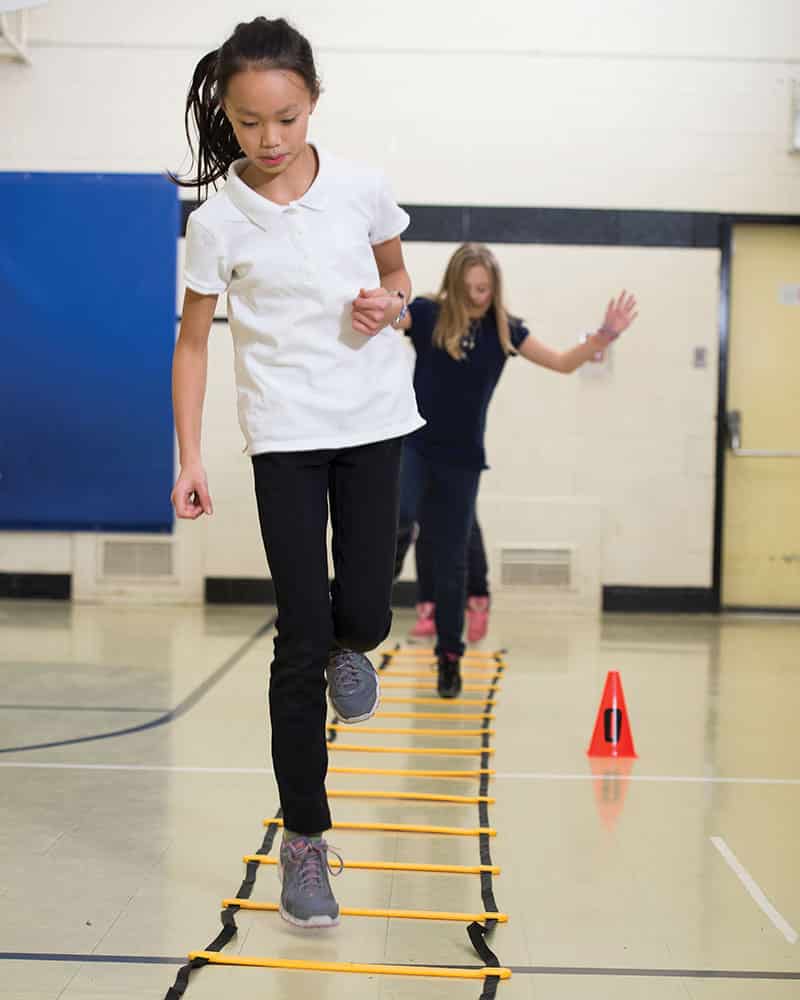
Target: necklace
<point>470,337</point>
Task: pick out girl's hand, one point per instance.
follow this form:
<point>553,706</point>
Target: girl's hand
<point>191,498</point>
<point>369,311</point>
<point>619,316</point>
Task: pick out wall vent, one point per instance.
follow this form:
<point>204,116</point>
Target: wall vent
<point>539,567</point>
<point>137,560</point>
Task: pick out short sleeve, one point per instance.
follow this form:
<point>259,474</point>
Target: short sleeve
<point>205,266</point>
<point>518,332</point>
<point>388,219</point>
<point>424,314</point>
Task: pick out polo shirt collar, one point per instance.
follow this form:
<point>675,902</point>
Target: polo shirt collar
<point>264,212</point>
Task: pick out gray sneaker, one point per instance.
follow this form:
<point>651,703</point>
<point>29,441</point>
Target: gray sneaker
<point>353,686</point>
<point>306,896</point>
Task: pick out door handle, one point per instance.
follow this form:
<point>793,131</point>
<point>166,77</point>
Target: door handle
<point>733,427</point>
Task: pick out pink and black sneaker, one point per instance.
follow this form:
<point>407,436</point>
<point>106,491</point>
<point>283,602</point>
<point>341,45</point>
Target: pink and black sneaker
<point>425,625</point>
<point>477,618</point>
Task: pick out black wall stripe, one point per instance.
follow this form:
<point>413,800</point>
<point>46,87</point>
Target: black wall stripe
<point>257,590</point>
<point>669,600</point>
<point>239,590</point>
<point>36,586</point>
<point>246,590</point>
<point>229,590</point>
<point>567,226</point>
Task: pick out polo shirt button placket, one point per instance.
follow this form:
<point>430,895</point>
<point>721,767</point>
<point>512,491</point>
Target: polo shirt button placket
<point>299,236</point>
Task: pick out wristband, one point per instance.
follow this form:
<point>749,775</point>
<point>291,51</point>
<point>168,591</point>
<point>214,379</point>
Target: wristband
<point>403,309</point>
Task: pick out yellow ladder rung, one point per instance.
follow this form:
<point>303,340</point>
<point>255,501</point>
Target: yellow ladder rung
<point>422,675</point>
<point>394,866</point>
<point>409,662</point>
<point>388,731</point>
<point>360,911</point>
<point>429,686</point>
<point>484,671</point>
<point>468,654</point>
<point>442,831</point>
<point>419,751</point>
<point>469,800</point>
<point>410,773</point>
<point>485,972</point>
<point>426,661</point>
<point>394,700</point>
<point>458,716</point>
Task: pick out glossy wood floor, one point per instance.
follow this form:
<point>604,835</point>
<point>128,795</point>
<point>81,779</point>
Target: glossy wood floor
<point>134,777</point>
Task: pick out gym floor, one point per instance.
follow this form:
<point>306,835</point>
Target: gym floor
<point>135,776</point>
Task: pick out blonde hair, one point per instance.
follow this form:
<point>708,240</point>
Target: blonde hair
<point>453,322</point>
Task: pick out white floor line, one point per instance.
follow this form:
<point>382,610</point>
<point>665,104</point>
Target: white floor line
<point>500,776</point>
<point>171,768</point>
<point>755,890</point>
<point>669,778</point>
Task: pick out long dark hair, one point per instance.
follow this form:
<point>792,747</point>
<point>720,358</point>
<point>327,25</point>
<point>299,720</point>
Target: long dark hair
<point>260,43</point>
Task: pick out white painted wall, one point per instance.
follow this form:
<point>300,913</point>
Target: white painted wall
<point>618,104</point>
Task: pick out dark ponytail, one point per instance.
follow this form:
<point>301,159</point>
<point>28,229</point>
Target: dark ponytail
<point>261,44</point>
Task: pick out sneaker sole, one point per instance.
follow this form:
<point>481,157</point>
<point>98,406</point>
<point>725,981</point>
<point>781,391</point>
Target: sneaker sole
<point>311,922</point>
<point>360,718</point>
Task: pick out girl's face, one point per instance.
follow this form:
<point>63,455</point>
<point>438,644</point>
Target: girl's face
<point>269,110</point>
<point>478,289</point>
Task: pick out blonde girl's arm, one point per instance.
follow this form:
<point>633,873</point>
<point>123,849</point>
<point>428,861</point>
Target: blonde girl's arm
<point>620,313</point>
<point>190,497</point>
<point>564,362</point>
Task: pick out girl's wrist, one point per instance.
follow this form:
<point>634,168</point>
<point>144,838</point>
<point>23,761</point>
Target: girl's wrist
<point>593,352</point>
<point>398,309</point>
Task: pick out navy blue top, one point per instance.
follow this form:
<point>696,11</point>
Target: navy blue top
<point>453,396</point>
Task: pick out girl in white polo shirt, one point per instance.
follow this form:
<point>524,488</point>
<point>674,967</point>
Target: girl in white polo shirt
<point>307,247</point>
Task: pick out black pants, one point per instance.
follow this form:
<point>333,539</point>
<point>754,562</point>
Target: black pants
<point>293,490</point>
<point>443,496</point>
<point>477,568</point>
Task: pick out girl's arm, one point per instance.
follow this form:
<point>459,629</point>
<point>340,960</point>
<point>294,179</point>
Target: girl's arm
<point>564,362</point>
<point>619,316</point>
<point>376,308</point>
<point>190,497</point>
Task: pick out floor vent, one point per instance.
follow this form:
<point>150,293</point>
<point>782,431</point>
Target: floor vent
<point>137,560</point>
<point>538,567</point>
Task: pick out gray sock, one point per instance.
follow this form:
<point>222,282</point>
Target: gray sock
<point>290,835</point>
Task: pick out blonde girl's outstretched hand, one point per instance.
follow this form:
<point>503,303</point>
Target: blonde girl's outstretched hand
<point>191,498</point>
<point>621,312</point>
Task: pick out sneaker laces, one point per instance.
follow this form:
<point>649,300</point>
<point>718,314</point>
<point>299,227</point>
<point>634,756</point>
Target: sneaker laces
<point>347,675</point>
<point>312,856</point>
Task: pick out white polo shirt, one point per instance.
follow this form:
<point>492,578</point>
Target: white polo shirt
<point>305,378</point>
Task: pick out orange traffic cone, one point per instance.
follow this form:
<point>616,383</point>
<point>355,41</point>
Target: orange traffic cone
<point>612,731</point>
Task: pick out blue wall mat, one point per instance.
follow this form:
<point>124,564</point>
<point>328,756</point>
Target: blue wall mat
<point>87,328</point>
